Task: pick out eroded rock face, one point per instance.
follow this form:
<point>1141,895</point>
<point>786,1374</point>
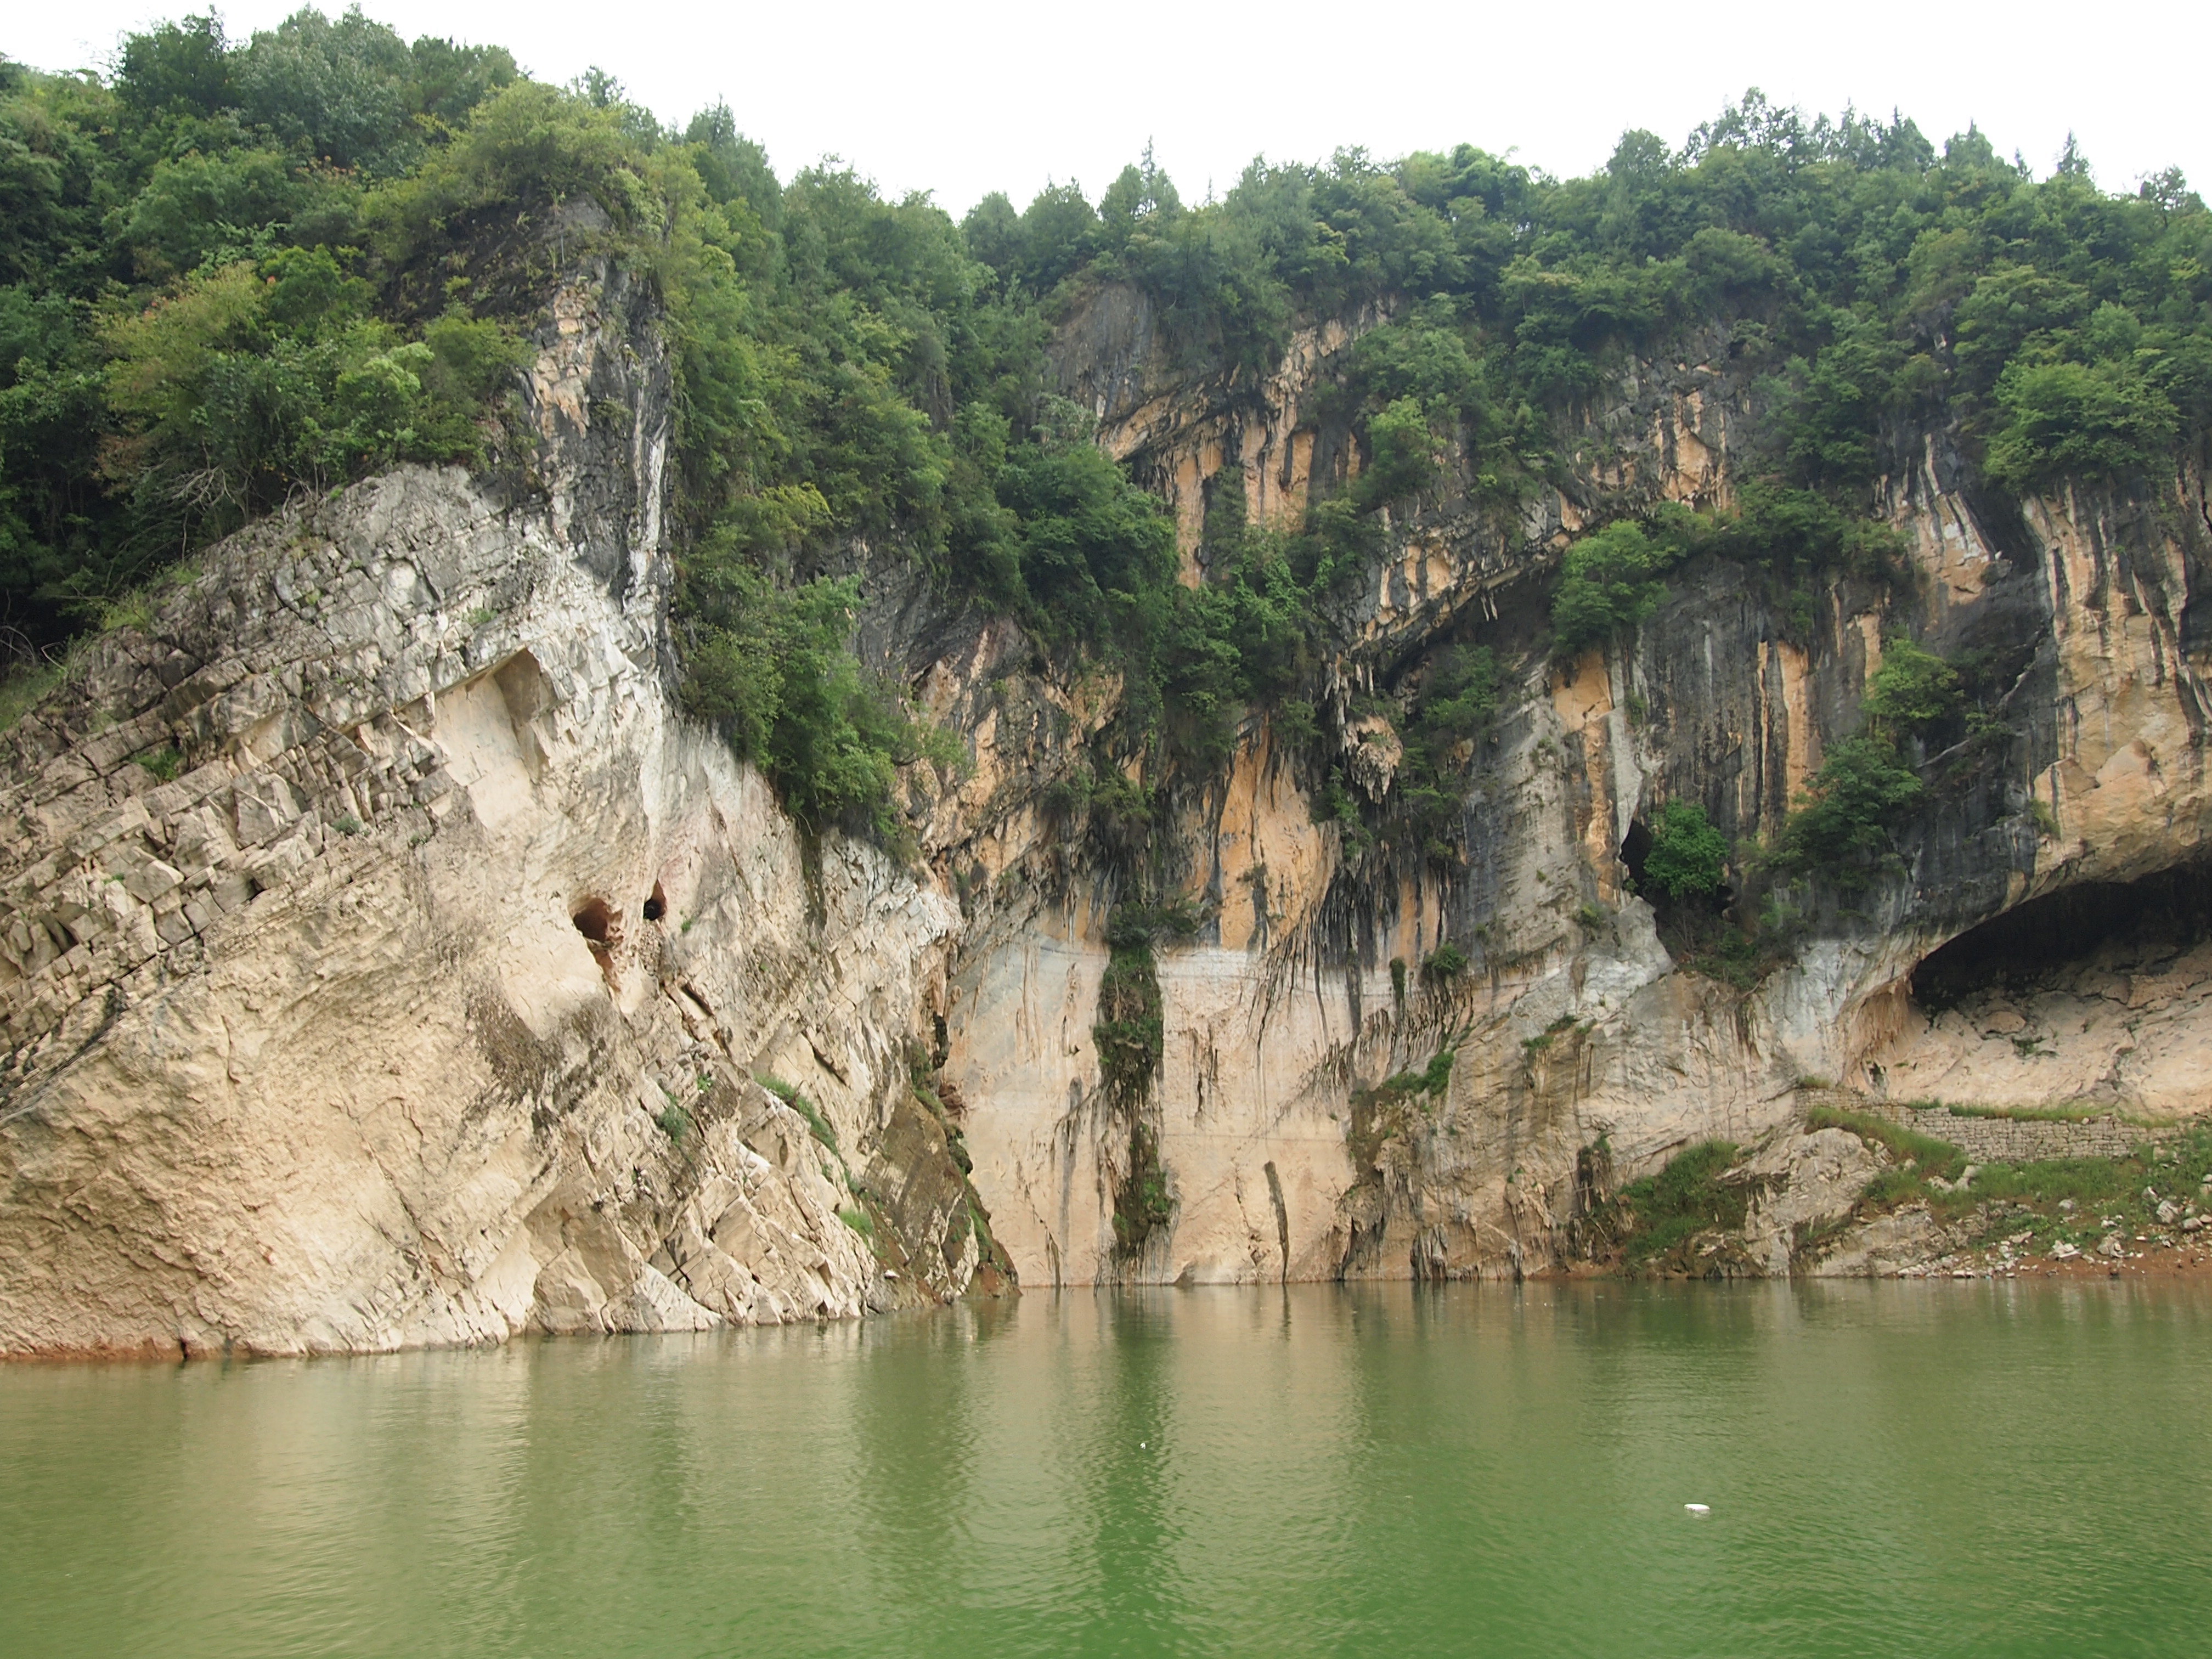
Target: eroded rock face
<point>1572,1026</point>
<point>1803,1184</point>
<point>384,960</point>
<point>386,963</point>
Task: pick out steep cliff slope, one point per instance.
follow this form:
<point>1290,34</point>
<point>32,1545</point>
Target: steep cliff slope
<point>386,961</point>
<point>1303,1122</point>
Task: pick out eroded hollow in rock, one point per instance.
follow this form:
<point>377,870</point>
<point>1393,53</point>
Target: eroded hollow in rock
<point>2122,923</point>
<point>595,920</point>
<point>1690,926</point>
<point>656,906</point>
<point>1635,847</point>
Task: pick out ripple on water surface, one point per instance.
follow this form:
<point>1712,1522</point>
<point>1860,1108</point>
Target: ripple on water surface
<point>1890,1469</point>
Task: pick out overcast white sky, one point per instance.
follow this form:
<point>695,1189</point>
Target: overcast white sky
<point>973,95</point>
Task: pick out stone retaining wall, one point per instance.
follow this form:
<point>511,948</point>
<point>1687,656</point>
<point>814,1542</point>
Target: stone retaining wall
<point>1993,1139</point>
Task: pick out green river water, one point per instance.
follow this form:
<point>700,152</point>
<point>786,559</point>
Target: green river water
<point>1922,1469</point>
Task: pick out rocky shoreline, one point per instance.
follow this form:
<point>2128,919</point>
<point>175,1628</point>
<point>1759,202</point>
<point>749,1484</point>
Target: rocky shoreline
<point>1851,1188</point>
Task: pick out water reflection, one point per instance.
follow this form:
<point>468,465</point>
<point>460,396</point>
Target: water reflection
<point>1937,1468</point>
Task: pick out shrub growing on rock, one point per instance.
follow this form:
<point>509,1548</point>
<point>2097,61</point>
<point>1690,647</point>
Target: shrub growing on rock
<point>1610,582</point>
<point>1844,814</point>
<point>1912,689</point>
<point>1688,856</point>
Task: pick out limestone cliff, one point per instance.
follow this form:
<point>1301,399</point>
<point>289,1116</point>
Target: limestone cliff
<point>386,964</point>
<point>385,960</point>
<point>1286,1150</point>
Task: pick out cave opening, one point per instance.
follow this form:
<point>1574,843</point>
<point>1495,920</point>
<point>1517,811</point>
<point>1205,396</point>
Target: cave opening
<point>2034,943</point>
<point>1635,848</point>
<point>656,905</point>
<point>595,919</point>
<point>1694,926</point>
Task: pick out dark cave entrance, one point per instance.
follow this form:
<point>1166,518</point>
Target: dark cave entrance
<point>1635,847</point>
<point>656,906</point>
<point>2037,944</point>
<point>595,919</point>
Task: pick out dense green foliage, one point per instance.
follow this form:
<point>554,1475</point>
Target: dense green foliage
<point>1142,1203</point>
<point>769,665</point>
<point>230,272</point>
<point>1688,856</point>
<point>1914,688</point>
<point>1848,803</point>
<point>236,272</point>
<point>1614,579</point>
<point>1129,1034</point>
<point>186,334</point>
<point>1609,583</point>
<point>1882,285</point>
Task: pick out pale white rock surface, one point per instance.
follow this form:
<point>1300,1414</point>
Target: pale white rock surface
<point>1803,1184</point>
<point>357,1035</point>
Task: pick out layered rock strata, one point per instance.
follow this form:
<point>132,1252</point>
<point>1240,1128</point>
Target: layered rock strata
<point>384,962</point>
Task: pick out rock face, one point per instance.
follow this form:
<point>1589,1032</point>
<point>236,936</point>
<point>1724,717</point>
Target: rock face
<point>1571,1026</point>
<point>386,964</point>
<point>1803,1183</point>
<point>384,960</point>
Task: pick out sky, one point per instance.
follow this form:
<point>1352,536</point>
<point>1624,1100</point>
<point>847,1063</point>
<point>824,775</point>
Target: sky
<point>964,97</point>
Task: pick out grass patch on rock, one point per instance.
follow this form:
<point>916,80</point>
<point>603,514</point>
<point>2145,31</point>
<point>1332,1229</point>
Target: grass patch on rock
<point>1914,1156</point>
<point>1651,1218</point>
<point>806,1108</point>
<point>2147,1197</point>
